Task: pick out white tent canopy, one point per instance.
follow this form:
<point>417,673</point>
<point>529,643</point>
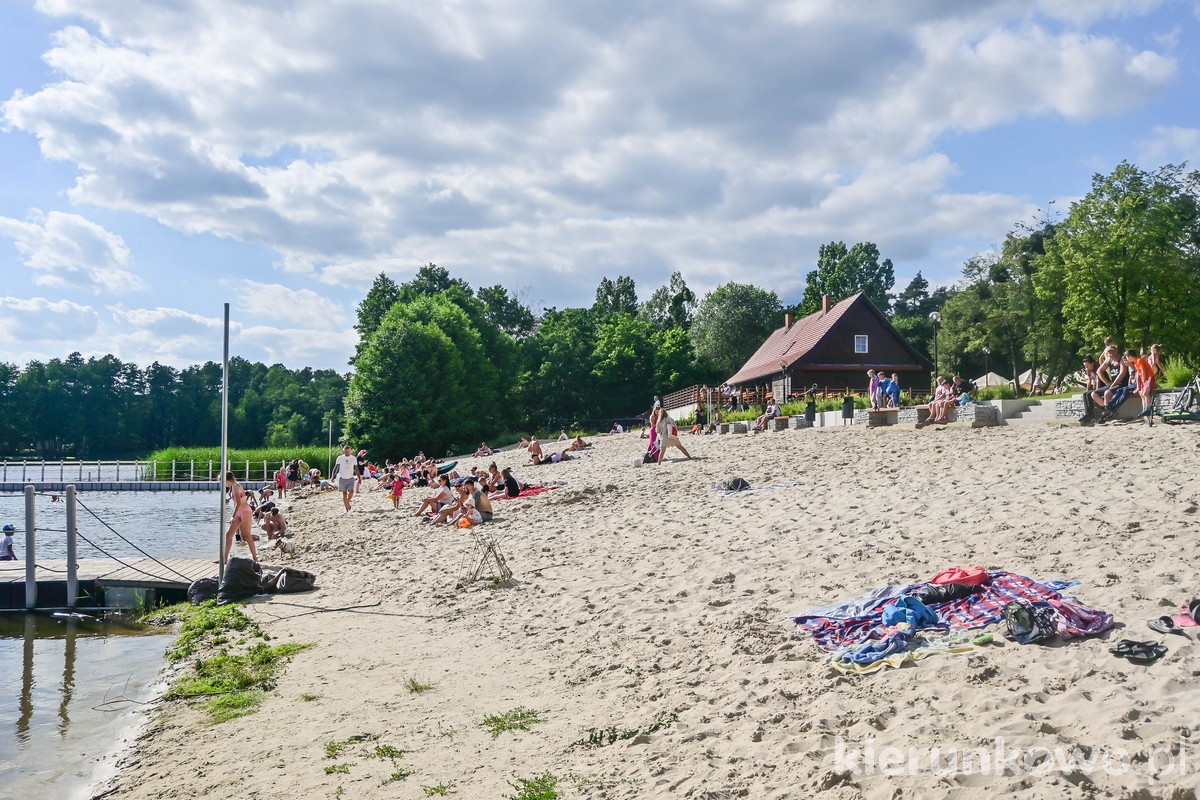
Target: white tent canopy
<point>1026,379</point>
<point>991,379</point>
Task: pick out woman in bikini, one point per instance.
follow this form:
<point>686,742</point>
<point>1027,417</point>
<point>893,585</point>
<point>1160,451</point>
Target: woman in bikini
<point>242,521</point>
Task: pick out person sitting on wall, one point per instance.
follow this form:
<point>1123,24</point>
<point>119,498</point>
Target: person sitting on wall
<point>760,424</point>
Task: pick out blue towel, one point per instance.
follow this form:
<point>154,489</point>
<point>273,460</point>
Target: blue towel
<point>910,610</point>
<point>871,651</point>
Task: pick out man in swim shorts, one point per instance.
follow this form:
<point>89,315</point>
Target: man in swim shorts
<point>343,470</point>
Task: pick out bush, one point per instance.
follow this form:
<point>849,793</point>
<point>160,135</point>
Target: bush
<point>1004,392</point>
<point>1176,373</point>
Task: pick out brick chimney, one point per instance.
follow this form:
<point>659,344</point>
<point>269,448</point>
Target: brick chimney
<point>787,322</point>
<point>826,304</point>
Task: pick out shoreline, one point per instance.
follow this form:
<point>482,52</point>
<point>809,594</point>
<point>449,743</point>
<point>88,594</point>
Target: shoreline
<point>640,593</point>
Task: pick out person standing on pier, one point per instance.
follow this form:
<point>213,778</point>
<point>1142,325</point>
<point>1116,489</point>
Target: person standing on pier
<point>243,519</point>
<point>7,553</point>
<point>343,469</point>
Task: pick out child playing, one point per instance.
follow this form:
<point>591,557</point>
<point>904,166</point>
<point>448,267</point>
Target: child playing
<point>397,491</point>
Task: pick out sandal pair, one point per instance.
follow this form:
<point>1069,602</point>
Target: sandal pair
<point>1144,653</point>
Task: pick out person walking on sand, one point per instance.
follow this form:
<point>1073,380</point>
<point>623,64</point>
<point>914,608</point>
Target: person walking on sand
<point>242,521</point>
<point>7,553</point>
<point>343,470</point>
<point>668,436</point>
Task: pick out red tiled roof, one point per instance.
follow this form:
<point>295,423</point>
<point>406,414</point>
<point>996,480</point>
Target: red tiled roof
<point>791,344</point>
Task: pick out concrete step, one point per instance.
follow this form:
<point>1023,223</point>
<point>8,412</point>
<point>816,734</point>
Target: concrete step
<point>1036,414</point>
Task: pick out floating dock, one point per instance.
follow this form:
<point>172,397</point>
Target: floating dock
<point>112,486</point>
<point>105,582</point>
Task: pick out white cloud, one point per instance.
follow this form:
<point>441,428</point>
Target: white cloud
<point>548,144</point>
<point>37,319</point>
<point>1174,144</point>
<point>69,250</point>
<point>273,302</point>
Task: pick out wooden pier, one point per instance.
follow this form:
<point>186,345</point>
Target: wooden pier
<point>113,486</point>
<point>100,577</point>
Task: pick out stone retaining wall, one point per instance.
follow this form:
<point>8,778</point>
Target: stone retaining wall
<point>976,415</point>
<point>1073,408</point>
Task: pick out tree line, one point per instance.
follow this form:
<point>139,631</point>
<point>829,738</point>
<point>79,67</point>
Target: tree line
<point>440,365</point>
<point>102,408</point>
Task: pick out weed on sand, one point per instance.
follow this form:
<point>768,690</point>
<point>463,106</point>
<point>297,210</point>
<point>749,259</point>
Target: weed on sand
<point>518,719</point>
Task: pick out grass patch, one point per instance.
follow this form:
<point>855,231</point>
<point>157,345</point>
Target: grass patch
<point>603,737</point>
<point>205,625</point>
<point>233,705</point>
<point>192,463</point>
<point>415,686</point>
<point>539,787</point>
<point>437,791</point>
<point>518,719</point>
<point>308,697</point>
<point>228,672</point>
<point>337,769</point>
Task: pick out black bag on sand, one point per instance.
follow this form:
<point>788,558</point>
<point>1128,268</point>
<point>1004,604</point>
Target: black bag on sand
<point>289,580</point>
<point>736,484</point>
<point>243,578</point>
<point>201,590</point>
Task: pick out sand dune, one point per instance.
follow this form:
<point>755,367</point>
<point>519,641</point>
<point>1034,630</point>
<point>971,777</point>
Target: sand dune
<point>642,596</point>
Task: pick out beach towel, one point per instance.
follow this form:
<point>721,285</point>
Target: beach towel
<point>528,491</point>
<point>976,610</point>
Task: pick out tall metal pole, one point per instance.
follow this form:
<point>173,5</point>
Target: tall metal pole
<point>30,549</point>
<point>224,448</point>
<point>72,567</point>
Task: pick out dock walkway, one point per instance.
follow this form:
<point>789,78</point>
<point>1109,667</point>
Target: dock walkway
<point>98,576</point>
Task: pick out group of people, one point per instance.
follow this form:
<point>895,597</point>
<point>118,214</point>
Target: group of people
<point>466,501</point>
<point>1117,377</point>
<point>884,391</point>
<point>949,393</point>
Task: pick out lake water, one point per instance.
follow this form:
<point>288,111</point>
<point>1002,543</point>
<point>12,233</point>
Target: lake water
<point>74,686</point>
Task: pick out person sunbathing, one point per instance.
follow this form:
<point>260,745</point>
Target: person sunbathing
<point>579,444</point>
<point>450,512</point>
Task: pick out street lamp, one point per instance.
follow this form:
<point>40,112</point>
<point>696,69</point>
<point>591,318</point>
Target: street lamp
<point>783,365</point>
<point>936,319</point>
<point>987,373</point>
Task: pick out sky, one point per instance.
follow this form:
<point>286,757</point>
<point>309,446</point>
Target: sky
<point>160,158</point>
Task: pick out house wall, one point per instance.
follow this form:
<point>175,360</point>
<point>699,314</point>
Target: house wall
<point>848,369</point>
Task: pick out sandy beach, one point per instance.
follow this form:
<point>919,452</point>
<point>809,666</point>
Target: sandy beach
<point>640,595</point>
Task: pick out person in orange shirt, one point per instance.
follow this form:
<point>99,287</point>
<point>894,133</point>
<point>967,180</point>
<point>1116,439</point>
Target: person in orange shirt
<point>1145,384</point>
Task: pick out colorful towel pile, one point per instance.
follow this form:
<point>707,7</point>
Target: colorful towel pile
<point>891,621</point>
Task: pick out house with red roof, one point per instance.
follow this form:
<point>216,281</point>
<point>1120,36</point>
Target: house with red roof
<point>833,348</point>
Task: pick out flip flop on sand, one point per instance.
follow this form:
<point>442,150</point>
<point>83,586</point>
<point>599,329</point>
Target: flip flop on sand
<point>1142,653</point>
<point>1165,625</point>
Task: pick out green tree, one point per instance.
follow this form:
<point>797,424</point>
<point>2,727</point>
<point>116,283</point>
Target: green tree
<point>1126,259</point>
<point>674,360</point>
<point>842,272</point>
<point>624,364</point>
<point>731,323</point>
<point>384,294</point>
<point>390,408</point>
<point>557,380</point>
<point>504,310</point>
<point>671,305</point>
<point>615,297</point>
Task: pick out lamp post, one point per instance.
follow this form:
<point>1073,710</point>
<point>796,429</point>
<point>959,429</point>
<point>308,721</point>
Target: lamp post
<point>987,373</point>
<point>936,319</point>
<point>783,365</point>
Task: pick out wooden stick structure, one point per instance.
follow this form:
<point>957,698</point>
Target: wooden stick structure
<point>485,558</point>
